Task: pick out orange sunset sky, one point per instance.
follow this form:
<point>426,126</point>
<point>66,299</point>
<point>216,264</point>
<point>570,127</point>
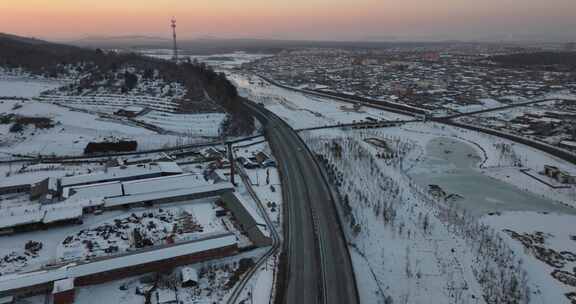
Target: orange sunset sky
<point>293,19</point>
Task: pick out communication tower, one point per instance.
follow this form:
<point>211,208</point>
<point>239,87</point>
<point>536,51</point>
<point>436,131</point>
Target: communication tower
<point>175,50</point>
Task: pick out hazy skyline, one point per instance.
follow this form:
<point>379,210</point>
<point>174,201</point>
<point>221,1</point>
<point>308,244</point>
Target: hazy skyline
<point>551,20</point>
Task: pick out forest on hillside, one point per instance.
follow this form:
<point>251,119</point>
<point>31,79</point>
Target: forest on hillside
<point>205,88</point>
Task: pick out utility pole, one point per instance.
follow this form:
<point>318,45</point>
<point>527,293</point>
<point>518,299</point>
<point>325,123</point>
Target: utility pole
<point>175,50</point>
<point>231,161</point>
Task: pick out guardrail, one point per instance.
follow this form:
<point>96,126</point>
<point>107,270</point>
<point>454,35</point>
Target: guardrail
<point>555,151</point>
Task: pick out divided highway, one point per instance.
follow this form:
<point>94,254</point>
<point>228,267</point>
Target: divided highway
<point>319,269</point>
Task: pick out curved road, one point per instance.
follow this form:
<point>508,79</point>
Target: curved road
<point>319,269</point>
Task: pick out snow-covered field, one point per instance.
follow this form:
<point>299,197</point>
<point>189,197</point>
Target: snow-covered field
<point>547,244</point>
<point>72,131</point>
<point>391,253</point>
<point>207,124</point>
<point>304,111</point>
<point>25,88</point>
<point>401,250</point>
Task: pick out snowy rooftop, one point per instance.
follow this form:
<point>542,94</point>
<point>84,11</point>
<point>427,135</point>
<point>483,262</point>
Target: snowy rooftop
<point>141,186</point>
<point>258,219</point>
<point>166,295</point>
<point>9,219</point>
<point>109,189</point>
<point>189,274</point>
<point>63,285</point>
<point>13,217</point>
<point>10,282</point>
<point>62,214</point>
<point>253,213</point>
<point>162,183</point>
<point>203,190</point>
<point>122,172</point>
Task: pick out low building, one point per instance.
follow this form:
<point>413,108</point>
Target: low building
<point>213,154</point>
<point>52,188</point>
<point>104,190</point>
<point>123,173</point>
<point>47,189</point>
<point>566,178</point>
<point>63,216</point>
<point>63,291</point>
<point>28,218</point>
<point>189,277</point>
<point>115,268</point>
<point>261,157</point>
<point>250,221</point>
<point>115,189</point>
<point>559,175</point>
<point>166,296</point>
<point>550,171</point>
<point>15,188</point>
<point>168,195</point>
<point>164,183</point>
<point>130,111</point>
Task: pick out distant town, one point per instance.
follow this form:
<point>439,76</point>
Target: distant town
<point>445,81</point>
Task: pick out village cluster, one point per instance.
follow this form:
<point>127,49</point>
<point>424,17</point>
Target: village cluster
<point>439,79</point>
<point>551,122</point>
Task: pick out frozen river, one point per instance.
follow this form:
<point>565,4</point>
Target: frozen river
<point>453,165</point>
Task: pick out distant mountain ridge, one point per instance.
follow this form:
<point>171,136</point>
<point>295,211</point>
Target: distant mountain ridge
<point>212,45</point>
<point>38,55</point>
<point>135,40</point>
<point>28,40</point>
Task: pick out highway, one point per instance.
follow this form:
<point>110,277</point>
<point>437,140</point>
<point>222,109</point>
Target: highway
<point>318,267</point>
<point>496,109</point>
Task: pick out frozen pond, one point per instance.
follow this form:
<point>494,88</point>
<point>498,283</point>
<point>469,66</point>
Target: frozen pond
<point>452,165</point>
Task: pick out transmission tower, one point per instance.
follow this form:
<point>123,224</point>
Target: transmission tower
<point>175,51</point>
